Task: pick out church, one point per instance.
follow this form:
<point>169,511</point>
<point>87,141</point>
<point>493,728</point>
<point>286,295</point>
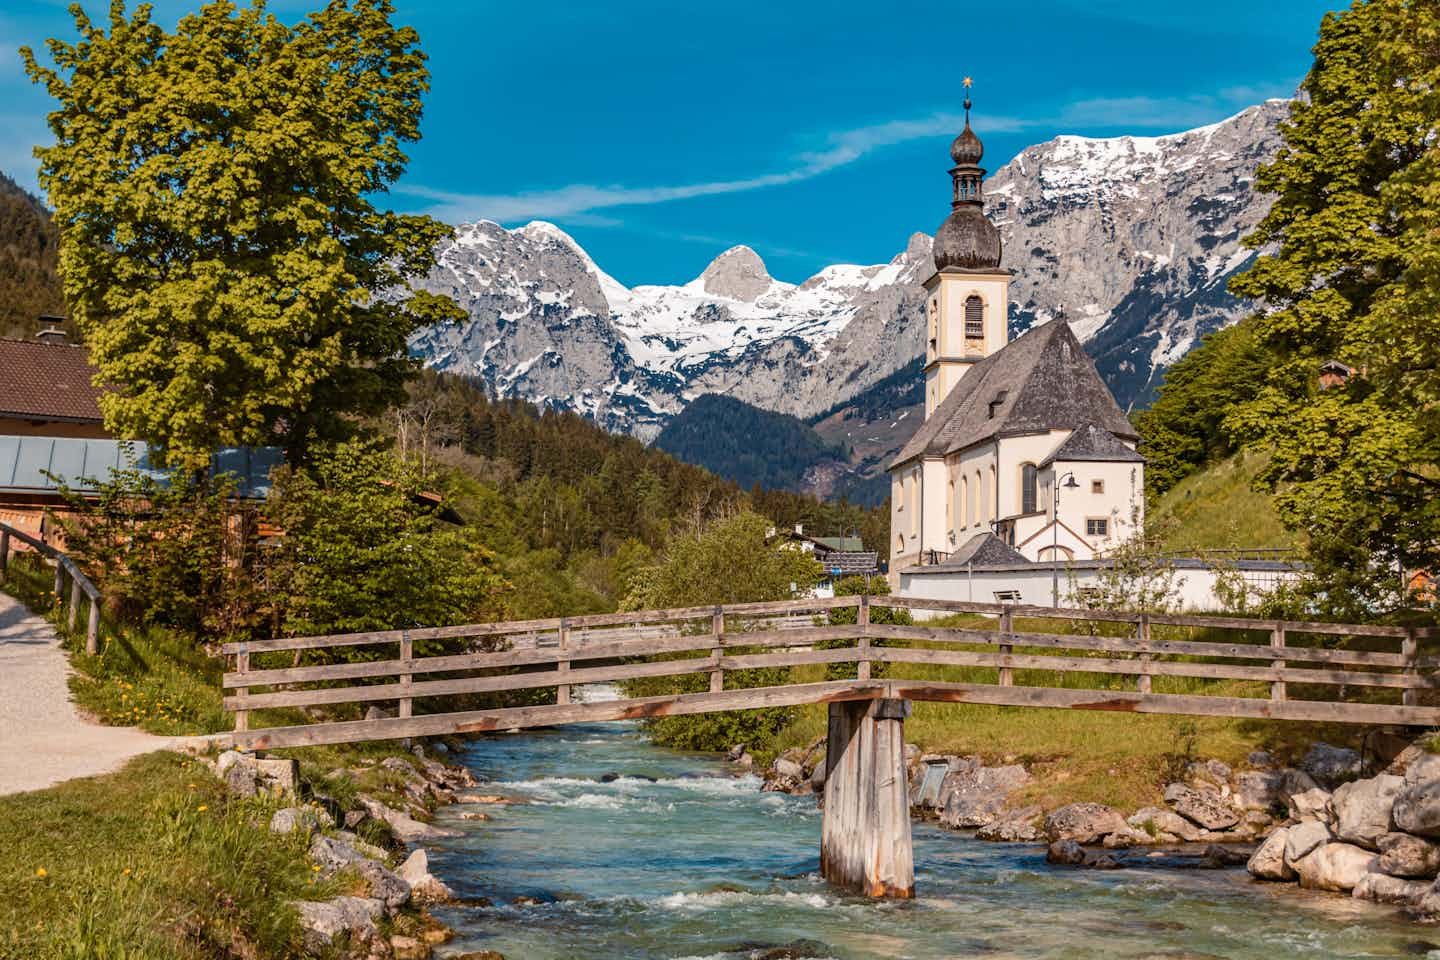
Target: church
<point>1024,455</point>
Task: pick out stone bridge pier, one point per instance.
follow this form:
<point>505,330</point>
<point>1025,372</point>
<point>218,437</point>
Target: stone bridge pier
<point>865,838</point>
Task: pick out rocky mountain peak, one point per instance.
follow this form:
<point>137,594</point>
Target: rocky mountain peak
<point>737,274</point>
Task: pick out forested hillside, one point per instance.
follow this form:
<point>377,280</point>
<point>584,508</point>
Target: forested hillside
<point>29,244</point>
<point>572,511</point>
<point>743,443</point>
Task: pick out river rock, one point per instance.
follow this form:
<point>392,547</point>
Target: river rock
<point>1017,826</point>
<point>331,854</point>
<point>1334,866</point>
<point>1124,839</point>
<point>1165,822</point>
<point>1260,760</point>
<point>424,886</point>
<point>1259,789</point>
<point>1362,809</point>
<point>321,921</point>
<point>1381,888</point>
<point>367,850</point>
<point>1417,808</point>
<point>304,819</point>
<point>975,795</point>
<point>1268,861</point>
<point>1331,765</point>
<point>1313,804</point>
<point>1402,855</point>
<point>1066,852</point>
<point>385,886</point>
<point>405,827</point>
<point>1208,771</point>
<point>1201,807</point>
<point>1304,837</point>
<point>1083,822</point>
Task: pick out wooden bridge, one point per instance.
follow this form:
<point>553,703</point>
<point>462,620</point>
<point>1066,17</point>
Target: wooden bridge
<point>1004,655</point>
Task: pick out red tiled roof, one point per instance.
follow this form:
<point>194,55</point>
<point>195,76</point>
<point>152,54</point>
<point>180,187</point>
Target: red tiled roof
<point>47,381</point>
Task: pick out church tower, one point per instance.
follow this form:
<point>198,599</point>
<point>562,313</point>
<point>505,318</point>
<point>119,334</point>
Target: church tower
<point>967,301</point>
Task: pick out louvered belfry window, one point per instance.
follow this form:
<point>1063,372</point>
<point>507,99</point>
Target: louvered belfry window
<point>974,318</point>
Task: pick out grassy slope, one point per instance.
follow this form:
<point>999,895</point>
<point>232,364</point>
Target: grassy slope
<point>1217,508</point>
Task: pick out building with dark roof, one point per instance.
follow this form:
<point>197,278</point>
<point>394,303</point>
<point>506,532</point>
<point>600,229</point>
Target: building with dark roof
<point>1024,455</point>
<point>46,389</point>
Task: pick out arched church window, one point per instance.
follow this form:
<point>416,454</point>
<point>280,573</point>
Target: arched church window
<point>974,318</point>
<point>1029,478</point>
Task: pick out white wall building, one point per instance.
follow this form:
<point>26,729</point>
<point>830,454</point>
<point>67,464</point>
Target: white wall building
<point>1008,425</point>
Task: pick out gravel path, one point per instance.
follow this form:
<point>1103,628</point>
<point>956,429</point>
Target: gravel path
<point>42,739</point>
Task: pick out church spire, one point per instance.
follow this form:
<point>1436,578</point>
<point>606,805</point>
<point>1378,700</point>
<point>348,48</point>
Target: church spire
<point>966,239</point>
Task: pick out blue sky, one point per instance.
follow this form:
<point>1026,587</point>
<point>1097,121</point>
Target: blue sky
<point>660,133</point>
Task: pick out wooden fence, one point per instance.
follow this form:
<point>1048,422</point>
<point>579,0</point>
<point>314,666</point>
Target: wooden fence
<point>1347,672</point>
<point>80,585</point>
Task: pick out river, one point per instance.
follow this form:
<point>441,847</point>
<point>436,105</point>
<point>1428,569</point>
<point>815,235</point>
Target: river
<point>699,863</point>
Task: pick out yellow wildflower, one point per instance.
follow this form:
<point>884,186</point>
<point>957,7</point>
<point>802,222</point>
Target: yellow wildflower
<point>40,872</point>
<point>202,808</point>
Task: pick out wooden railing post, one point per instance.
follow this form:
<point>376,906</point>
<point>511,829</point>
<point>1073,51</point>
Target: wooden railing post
<point>407,654</point>
<point>59,580</point>
<point>4,553</point>
<point>1410,696</point>
<point>1007,627</point>
<point>92,628</point>
<point>717,629</point>
<point>74,602</point>
<point>1142,634</point>
<point>1277,642</point>
<point>862,620</point>
<point>562,667</point>
<point>242,666</point>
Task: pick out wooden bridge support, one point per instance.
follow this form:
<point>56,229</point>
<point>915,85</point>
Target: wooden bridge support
<point>865,839</point>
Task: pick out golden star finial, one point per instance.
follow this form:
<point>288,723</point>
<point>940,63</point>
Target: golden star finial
<point>967,83</point>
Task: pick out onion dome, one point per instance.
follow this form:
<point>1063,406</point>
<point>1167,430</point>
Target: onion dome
<point>967,240</point>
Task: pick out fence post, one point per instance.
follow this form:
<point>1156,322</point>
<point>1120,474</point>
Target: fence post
<point>4,552</point>
<point>562,667</point>
<point>242,667</point>
<point>1410,697</point>
<point>1142,633</point>
<point>1277,642</point>
<point>92,627</point>
<point>1007,627</point>
<point>717,628</point>
<point>407,653</point>
<point>862,620</point>
<point>74,602</point>
<point>59,580</point>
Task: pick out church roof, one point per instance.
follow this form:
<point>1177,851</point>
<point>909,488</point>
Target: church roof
<point>1040,381</point>
<point>984,549</point>
<point>1092,444</point>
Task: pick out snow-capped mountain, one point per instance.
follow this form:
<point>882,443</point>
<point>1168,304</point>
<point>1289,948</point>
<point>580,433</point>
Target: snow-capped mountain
<point>1131,239</point>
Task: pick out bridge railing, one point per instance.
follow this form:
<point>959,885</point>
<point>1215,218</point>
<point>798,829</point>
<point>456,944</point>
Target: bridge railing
<point>81,589</point>
<point>1007,655</point>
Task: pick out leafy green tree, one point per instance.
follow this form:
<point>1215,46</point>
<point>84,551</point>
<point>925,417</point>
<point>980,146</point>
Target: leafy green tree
<point>733,560</point>
<point>1355,276</point>
<point>361,551</point>
<point>219,249</point>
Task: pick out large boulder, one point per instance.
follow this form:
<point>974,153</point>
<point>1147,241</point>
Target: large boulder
<point>1305,836</point>
<point>322,921</point>
<point>1362,809</point>
<point>975,795</point>
<point>306,820</point>
<point>424,887</point>
<point>1015,826</point>
<point>331,854</point>
<point>1312,804</point>
<point>1417,808</point>
<point>1402,855</point>
<point>1334,866</point>
<point>1083,822</point>
<point>1259,789</point>
<point>1268,860</point>
<point>1165,822</point>
<point>1380,888</point>
<point>385,886</point>
<point>405,827</point>
<point>1330,765</point>
<point>1203,807</point>
<point>1066,852</point>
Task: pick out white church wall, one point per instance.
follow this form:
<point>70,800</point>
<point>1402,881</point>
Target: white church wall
<point>975,479</point>
<point>933,485</point>
<point>1014,453</point>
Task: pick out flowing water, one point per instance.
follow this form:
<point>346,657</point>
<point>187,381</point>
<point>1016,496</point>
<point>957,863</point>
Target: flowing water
<point>680,857</point>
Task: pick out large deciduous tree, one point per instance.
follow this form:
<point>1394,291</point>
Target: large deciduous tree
<point>1355,276</point>
<point>219,247</point>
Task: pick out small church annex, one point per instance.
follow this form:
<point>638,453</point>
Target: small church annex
<point>1024,455</point>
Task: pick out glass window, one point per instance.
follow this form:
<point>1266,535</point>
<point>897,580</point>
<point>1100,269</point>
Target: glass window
<point>1029,477</point>
<point>1097,486</point>
<point>1097,527</point>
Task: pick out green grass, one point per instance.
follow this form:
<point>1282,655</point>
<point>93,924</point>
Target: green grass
<point>1218,508</point>
<point>152,861</point>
